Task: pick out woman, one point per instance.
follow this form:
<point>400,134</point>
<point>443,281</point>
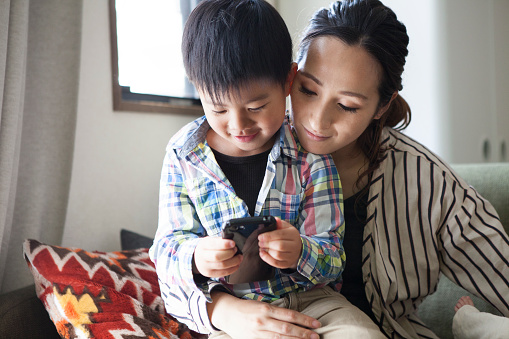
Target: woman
<point>420,218</point>
<point>408,215</point>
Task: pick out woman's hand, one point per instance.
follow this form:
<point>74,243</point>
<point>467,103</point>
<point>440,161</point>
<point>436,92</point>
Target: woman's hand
<point>242,318</point>
<point>215,257</point>
<point>281,248</point>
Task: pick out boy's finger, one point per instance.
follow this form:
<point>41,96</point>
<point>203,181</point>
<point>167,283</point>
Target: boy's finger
<point>281,224</point>
<point>215,243</point>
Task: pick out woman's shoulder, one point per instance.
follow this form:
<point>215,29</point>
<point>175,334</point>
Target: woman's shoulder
<point>408,155</point>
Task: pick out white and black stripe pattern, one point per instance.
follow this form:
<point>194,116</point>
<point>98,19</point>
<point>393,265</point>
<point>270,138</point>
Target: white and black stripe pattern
<point>424,219</point>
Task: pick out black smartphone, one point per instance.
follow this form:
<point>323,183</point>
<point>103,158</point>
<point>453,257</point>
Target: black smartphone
<point>245,231</point>
<point>242,229</point>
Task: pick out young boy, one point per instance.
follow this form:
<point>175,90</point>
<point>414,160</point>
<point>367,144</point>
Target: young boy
<point>241,160</point>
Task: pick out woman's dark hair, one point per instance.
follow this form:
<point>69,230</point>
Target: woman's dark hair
<point>375,27</point>
<point>228,43</point>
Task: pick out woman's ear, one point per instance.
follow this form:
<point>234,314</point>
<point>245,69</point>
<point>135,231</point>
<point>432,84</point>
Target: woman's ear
<point>289,79</point>
<point>384,108</point>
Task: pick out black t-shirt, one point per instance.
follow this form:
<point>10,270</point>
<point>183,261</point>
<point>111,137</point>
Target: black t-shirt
<point>245,174</point>
<point>355,220</point>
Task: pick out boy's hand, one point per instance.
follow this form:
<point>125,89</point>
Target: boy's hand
<point>215,257</point>
<point>281,248</point>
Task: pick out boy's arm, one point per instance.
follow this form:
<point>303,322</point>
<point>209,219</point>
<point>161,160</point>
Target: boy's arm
<point>321,223</point>
<point>177,236</point>
<point>179,229</point>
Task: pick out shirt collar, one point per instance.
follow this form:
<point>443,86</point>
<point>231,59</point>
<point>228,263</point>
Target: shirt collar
<point>195,133</point>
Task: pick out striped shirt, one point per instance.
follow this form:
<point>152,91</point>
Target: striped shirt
<point>196,199</point>
<point>423,219</point>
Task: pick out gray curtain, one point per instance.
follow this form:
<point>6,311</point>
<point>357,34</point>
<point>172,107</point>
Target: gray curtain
<point>39,69</point>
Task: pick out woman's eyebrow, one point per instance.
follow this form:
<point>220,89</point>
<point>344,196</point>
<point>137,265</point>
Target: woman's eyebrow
<point>312,77</point>
<point>315,79</point>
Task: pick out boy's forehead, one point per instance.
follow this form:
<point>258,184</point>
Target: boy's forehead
<point>251,91</point>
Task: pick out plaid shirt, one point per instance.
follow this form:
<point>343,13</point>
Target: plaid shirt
<point>196,199</point>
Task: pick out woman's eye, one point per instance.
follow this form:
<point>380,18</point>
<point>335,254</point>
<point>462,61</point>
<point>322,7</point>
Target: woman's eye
<point>347,109</point>
<point>306,91</point>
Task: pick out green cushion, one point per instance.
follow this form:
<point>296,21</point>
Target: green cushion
<point>492,182</point>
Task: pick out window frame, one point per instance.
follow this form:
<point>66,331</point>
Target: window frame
<point>124,100</point>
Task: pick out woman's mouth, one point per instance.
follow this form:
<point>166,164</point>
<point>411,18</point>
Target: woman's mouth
<point>314,136</point>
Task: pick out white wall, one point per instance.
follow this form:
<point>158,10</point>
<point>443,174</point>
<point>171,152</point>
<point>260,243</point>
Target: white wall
<point>117,156</point>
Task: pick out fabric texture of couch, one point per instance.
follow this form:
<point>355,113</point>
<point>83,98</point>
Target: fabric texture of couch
<point>23,315</point>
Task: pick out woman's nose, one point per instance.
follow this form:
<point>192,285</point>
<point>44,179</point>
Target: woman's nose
<point>320,118</point>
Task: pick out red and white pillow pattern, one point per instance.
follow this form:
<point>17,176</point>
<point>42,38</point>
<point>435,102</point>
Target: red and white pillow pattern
<point>101,294</point>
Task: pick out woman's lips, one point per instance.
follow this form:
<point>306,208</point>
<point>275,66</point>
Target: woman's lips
<point>315,136</point>
<point>245,138</point>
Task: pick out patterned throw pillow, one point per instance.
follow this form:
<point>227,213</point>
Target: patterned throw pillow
<point>101,294</point>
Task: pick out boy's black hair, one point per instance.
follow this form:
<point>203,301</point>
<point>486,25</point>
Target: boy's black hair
<point>228,43</point>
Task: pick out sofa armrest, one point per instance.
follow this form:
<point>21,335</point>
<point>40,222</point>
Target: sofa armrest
<point>23,316</point>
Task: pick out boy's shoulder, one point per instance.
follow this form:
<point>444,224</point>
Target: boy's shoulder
<point>189,136</point>
<point>291,146</point>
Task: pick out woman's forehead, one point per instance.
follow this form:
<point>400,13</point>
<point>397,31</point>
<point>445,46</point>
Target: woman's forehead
<point>331,61</point>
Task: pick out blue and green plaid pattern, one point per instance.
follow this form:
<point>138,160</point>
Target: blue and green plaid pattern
<point>196,199</point>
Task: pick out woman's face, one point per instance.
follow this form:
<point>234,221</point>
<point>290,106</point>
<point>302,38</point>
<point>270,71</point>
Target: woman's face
<point>334,96</point>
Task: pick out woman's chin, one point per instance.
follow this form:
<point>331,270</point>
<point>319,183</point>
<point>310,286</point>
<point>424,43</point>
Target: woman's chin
<point>317,147</point>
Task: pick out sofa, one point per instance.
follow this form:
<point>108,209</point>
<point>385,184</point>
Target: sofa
<point>23,315</point>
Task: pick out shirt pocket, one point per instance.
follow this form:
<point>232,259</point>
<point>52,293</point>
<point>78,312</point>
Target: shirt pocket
<point>214,204</point>
<point>285,206</point>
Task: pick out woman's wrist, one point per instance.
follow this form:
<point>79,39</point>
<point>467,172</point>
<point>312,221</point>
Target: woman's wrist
<point>220,299</point>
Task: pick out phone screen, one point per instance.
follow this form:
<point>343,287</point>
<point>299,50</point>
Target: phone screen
<point>245,231</point>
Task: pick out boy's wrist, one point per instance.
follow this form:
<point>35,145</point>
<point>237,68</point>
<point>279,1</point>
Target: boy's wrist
<point>198,277</point>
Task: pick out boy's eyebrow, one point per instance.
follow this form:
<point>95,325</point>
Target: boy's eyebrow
<point>315,79</point>
<point>262,96</point>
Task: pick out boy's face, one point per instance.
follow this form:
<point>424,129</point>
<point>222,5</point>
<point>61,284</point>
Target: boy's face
<point>245,123</point>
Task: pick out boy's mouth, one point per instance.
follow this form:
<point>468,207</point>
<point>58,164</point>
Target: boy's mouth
<point>245,138</point>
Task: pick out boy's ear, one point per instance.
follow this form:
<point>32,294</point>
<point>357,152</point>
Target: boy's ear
<point>384,108</point>
<point>289,78</point>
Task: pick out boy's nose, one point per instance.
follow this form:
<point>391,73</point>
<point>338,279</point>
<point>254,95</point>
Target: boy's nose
<point>239,121</point>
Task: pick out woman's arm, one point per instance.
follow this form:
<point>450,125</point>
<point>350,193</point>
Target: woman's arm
<point>242,318</point>
<point>475,249</point>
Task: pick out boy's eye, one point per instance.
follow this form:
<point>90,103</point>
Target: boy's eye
<point>219,112</point>
<point>306,91</point>
<point>256,109</point>
<point>347,109</point>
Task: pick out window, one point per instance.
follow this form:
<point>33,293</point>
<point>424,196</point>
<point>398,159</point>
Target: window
<point>148,74</point>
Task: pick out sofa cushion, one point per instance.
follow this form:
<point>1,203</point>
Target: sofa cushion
<point>101,294</point>
<point>130,240</point>
<point>492,182</point>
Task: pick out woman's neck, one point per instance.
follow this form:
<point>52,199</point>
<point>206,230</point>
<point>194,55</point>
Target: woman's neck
<point>351,162</point>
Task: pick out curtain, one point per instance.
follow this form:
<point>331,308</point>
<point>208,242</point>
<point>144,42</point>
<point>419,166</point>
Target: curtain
<point>39,73</point>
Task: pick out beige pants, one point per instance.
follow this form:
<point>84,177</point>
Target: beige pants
<point>338,317</point>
